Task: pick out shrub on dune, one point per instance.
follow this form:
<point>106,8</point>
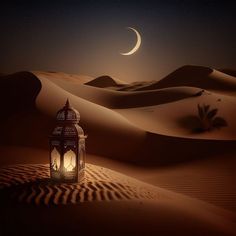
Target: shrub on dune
<point>208,119</point>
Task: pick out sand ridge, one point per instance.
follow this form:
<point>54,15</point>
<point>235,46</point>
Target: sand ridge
<point>196,76</point>
<point>31,184</point>
<point>105,81</point>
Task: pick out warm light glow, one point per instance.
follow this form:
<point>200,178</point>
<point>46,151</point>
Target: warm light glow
<point>69,160</point>
<point>138,43</point>
<point>55,159</point>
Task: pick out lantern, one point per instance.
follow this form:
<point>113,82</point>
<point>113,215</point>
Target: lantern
<point>67,147</point>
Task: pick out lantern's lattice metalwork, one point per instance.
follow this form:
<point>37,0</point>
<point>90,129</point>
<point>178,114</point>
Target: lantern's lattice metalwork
<point>67,147</point>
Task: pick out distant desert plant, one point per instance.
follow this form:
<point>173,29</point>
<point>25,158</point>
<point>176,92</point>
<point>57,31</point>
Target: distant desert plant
<point>208,119</point>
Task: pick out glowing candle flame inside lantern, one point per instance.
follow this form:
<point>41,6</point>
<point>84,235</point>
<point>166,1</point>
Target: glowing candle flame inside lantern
<point>69,160</point>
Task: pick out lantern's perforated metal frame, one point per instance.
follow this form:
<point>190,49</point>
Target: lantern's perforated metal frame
<point>68,135</point>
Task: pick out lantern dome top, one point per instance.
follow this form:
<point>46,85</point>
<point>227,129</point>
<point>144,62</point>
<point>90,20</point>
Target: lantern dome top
<point>68,114</point>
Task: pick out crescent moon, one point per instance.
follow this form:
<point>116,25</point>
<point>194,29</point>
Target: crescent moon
<point>138,43</point>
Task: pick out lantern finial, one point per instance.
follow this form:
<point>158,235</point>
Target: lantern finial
<point>67,103</point>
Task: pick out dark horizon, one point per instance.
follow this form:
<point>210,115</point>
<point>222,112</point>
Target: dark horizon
<point>86,37</point>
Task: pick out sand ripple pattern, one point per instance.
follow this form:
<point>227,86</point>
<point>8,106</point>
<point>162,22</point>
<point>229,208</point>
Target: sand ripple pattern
<point>30,183</point>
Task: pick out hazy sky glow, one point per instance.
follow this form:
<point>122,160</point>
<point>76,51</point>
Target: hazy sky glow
<point>86,37</point>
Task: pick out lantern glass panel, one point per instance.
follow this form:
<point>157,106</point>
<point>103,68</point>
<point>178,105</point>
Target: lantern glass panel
<point>55,159</point>
<point>69,161</point>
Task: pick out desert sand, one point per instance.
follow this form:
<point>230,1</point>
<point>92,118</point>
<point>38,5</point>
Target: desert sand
<point>28,185</point>
<point>148,169</point>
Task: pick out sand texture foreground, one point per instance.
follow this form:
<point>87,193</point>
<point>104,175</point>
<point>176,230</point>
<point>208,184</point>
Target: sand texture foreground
<point>26,190</point>
<point>31,184</point>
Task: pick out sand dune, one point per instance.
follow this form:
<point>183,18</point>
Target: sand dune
<point>211,180</point>
<point>195,76</point>
<point>13,87</point>
<point>97,121</point>
<point>28,184</point>
<point>105,81</point>
<point>128,131</point>
<point>146,123</point>
<point>188,96</point>
<point>118,100</point>
<point>228,72</point>
<point>174,119</point>
<point>39,118</point>
<point>61,76</point>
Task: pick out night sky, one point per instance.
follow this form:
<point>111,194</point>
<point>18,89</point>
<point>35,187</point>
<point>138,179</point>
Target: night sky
<point>86,37</point>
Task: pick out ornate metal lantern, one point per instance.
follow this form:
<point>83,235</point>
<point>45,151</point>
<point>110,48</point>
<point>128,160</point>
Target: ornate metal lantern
<point>67,147</point>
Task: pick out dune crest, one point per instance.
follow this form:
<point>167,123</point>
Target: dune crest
<point>228,71</point>
<point>105,81</point>
<point>61,76</point>
<point>196,76</point>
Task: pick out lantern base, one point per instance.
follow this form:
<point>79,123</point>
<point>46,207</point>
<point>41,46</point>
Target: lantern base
<point>68,177</point>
